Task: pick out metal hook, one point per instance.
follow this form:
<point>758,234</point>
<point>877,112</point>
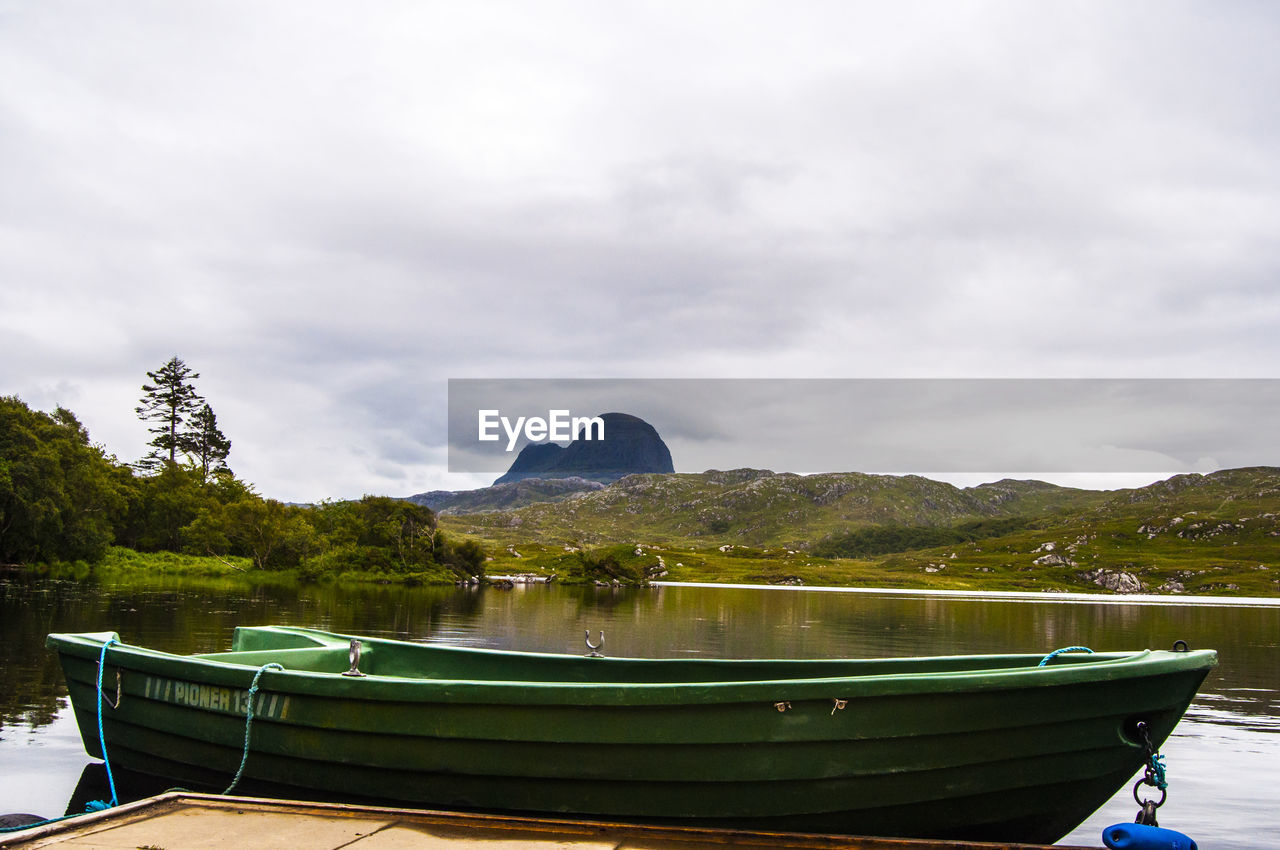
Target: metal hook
<point>839,704</point>
<point>353,655</point>
<point>594,647</point>
<point>107,699</point>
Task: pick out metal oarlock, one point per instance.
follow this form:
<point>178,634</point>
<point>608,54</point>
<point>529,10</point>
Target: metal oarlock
<point>353,655</point>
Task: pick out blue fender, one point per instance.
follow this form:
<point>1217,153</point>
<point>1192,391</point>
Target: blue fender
<point>1137,836</point>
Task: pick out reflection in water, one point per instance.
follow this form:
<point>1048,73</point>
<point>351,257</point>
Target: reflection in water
<point>1226,709</point>
<point>1223,758</point>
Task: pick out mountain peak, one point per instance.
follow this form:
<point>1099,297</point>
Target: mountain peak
<point>630,445</point>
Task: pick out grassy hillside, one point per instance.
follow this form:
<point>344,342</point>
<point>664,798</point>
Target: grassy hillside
<point>504,497</point>
<point>1195,534</point>
<point>760,508</point>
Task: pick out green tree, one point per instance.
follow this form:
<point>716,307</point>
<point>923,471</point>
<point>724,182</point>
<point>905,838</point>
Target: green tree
<point>61,497</point>
<point>465,558</point>
<point>168,502</point>
<point>404,531</point>
<point>273,534</point>
<point>208,533</point>
<point>611,563</point>
<point>169,401</point>
<point>208,446</point>
<point>390,535</point>
<point>378,532</point>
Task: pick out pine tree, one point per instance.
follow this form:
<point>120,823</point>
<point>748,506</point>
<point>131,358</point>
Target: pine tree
<point>170,401</point>
<point>207,444</point>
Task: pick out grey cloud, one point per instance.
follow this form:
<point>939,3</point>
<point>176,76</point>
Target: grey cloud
<point>1065,426</point>
<point>329,215</point>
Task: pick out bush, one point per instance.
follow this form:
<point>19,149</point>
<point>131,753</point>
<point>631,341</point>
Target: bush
<point>610,564</point>
<point>886,539</point>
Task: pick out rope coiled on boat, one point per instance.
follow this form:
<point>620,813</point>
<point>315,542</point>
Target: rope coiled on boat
<point>248,722</point>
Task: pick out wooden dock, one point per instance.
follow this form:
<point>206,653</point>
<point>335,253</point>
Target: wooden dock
<point>189,821</point>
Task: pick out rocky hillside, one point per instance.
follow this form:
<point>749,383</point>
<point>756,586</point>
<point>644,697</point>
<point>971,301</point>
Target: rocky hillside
<point>504,497</point>
<point>759,507</point>
<point>1216,534</point>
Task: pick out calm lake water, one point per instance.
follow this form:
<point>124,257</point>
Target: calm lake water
<point>1223,759</point>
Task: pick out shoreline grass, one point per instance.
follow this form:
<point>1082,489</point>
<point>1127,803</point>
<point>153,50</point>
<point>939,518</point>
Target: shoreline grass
<point>121,562</point>
<point>971,567</point>
<point>988,566</point>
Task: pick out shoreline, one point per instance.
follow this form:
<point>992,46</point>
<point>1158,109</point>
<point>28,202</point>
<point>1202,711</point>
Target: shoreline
<point>1008,595</point>
<point>250,577</point>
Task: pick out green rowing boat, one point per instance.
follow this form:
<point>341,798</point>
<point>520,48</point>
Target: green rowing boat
<point>997,747</point>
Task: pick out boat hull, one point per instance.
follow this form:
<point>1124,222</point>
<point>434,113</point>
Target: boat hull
<point>936,748</point>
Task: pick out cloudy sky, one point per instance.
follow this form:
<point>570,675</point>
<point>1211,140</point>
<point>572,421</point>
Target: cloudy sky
<point>329,209</point>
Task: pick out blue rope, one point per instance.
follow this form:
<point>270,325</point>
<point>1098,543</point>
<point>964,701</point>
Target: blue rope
<point>1158,771</point>
<point>99,805</point>
<point>1057,652</point>
<point>4,829</point>
<point>248,721</point>
<point>92,805</point>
